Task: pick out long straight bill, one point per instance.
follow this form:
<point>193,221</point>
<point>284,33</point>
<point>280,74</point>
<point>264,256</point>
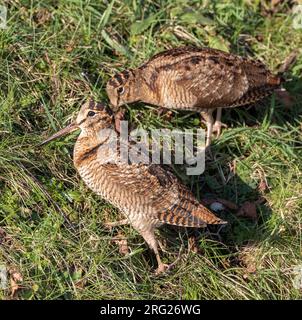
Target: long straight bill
<point>70,128</point>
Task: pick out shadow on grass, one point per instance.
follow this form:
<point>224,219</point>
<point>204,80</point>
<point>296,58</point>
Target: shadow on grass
<point>240,231</point>
<point>217,241</point>
<point>279,109</point>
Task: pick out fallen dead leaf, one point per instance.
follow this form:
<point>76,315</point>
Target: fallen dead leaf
<point>193,245</point>
<point>16,276</point>
<point>262,186</point>
<point>70,46</point>
<point>228,204</point>
<point>14,287</point>
<point>248,210</point>
<point>122,243</point>
<point>15,280</point>
<point>42,16</point>
<point>286,99</point>
<point>251,268</point>
<point>250,260</point>
<point>245,276</point>
<point>259,37</point>
<point>2,235</point>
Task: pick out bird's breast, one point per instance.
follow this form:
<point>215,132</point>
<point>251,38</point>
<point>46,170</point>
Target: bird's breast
<point>107,185</point>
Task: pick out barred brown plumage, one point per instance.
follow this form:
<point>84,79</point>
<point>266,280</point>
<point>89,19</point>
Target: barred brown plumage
<point>147,194</point>
<point>196,79</point>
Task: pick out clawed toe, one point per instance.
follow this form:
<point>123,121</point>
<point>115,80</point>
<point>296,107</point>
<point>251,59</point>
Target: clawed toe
<point>217,128</point>
<point>163,268</point>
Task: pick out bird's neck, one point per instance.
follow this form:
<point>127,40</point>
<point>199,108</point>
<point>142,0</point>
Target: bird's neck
<point>145,91</point>
<point>93,145</point>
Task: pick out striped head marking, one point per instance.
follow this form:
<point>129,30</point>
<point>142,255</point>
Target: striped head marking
<point>95,114</point>
<point>92,117</point>
<point>121,88</point>
<point>99,107</point>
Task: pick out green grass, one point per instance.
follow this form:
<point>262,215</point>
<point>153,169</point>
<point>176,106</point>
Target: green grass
<point>44,53</point>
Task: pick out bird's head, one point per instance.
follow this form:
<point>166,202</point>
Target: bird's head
<point>122,88</point>
<point>92,117</point>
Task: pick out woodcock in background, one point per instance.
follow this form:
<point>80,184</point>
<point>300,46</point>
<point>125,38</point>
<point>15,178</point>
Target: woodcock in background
<point>195,79</point>
<point>148,195</point>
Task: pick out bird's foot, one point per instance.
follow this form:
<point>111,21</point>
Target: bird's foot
<point>163,268</point>
<point>217,128</point>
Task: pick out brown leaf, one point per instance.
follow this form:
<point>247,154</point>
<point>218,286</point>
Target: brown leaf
<point>262,186</point>
<point>248,210</point>
<point>228,204</point>
<point>286,99</point>
<point>2,235</point>
<point>193,245</point>
<point>251,268</point>
<point>259,37</point>
<point>13,287</point>
<point>80,284</point>
<point>16,276</point>
<point>15,280</point>
<point>70,46</point>
<point>122,243</point>
<point>42,16</point>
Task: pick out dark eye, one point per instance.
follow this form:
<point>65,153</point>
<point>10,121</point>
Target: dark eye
<point>120,90</point>
<point>91,113</point>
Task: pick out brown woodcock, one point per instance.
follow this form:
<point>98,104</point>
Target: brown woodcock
<point>147,194</point>
<point>195,79</point>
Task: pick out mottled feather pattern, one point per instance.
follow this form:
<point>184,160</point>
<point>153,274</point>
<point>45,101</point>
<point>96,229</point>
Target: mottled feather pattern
<point>149,189</point>
<point>197,79</point>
